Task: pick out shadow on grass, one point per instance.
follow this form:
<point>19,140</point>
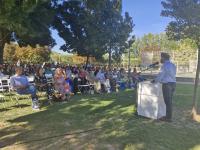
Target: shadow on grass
<point>3,109</point>
<point>20,106</point>
<point>81,113</point>
<point>113,114</point>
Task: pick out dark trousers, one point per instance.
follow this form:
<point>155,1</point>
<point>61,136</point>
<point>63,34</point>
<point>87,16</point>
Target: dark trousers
<point>168,92</point>
<point>75,85</point>
<point>48,88</point>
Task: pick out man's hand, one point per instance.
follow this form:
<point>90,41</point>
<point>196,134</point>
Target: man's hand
<point>22,87</point>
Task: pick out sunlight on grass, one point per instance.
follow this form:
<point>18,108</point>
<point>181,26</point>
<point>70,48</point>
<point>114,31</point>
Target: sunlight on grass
<point>129,110</point>
<point>113,117</point>
<point>100,104</point>
<point>197,147</point>
<point>134,147</point>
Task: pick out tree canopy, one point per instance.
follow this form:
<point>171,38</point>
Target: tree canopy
<point>185,24</point>
<point>183,50</point>
<point>93,29</point>
<point>187,19</point>
<point>155,42</point>
<point>29,21</point>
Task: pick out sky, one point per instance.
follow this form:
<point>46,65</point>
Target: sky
<point>145,14</point>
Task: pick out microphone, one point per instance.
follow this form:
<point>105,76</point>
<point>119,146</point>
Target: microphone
<point>150,66</point>
<point>153,65</point>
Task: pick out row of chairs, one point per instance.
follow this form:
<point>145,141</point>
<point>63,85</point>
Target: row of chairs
<point>5,84</point>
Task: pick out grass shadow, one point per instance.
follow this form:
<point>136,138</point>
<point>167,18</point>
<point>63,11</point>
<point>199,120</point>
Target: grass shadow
<point>113,114</point>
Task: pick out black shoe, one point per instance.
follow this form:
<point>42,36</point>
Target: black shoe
<point>165,119</point>
<point>50,99</point>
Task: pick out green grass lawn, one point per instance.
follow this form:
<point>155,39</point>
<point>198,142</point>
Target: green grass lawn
<point>102,122</point>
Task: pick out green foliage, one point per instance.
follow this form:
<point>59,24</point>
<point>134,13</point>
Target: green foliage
<point>76,24</point>
<point>23,17</point>
<point>71,59</point>
<point>56,57</point>
<point>92,29</point>
<point>182,51</point>
<point>13,53</point>
<point>187,44</point>
<point>186,25</point>
<point>186,51</point>
<point>154,42</point>
<point>9,53</point>
<point>186,15</point>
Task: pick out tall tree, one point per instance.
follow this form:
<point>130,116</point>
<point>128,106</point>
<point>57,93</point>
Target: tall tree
<point>93,29</point>
<point>78,24</point>
<point>117,30</point>
<point>28,20</point>
<point>186,24</point>
<point>155,42</point>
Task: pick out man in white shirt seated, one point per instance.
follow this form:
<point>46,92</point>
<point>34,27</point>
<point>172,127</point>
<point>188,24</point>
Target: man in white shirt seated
<point>167,77</point>
<point>20,83</point>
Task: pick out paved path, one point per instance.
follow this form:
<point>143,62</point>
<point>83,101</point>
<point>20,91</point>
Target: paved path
<point>189,83</point>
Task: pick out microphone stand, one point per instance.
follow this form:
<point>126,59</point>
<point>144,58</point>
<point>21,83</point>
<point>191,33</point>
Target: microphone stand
<point>149,67</point>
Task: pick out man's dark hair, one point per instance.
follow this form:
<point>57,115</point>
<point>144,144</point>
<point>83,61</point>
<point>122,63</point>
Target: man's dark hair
<point>165,56</point>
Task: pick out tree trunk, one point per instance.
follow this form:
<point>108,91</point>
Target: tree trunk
<point>129,68</point>
<point>4,37</point>
<point>87,61</point>
<point>194,105</point>
<point>2,44</point>
<point>110,58</point>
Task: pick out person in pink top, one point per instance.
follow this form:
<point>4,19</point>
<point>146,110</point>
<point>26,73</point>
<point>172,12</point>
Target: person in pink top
<point>60,84</point>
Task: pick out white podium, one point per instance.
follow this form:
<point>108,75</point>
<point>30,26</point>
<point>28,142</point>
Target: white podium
<point>150,102</point>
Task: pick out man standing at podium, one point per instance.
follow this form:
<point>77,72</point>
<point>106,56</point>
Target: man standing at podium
<point>167,77</point>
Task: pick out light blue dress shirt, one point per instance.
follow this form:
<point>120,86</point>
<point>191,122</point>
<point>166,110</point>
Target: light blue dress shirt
<point>167,73</point>
<point>16,81</point>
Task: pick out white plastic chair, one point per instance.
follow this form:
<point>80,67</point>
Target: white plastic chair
<point>50,80</point>
<point>1,86</point>
<point>48,75</point>
<point>31,79</point>
<point>5,84</point>
<point>17,97</point>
